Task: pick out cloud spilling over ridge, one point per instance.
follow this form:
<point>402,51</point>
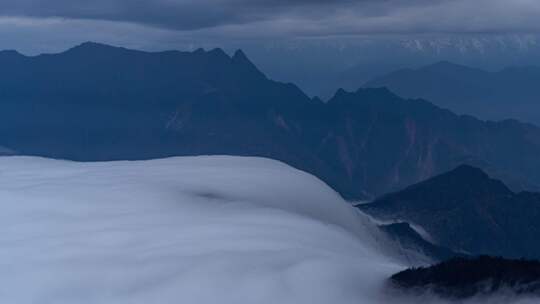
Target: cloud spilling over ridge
<point>181,230</point>
<point>185,230</point>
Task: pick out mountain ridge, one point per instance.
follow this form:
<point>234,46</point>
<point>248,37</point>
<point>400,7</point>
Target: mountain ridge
<point>117,103</point>
<point>509,93</point>
<point>467,211</point>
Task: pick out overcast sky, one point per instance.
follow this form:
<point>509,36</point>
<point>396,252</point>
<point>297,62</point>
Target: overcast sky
<point>39,25</point>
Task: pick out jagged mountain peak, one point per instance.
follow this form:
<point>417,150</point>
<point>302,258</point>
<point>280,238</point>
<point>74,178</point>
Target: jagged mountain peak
<point>240,56</point>
<point>241,59</point>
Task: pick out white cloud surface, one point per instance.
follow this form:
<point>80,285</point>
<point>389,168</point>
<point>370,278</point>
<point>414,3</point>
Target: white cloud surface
<point>213,229</point>
<point>181,230</point>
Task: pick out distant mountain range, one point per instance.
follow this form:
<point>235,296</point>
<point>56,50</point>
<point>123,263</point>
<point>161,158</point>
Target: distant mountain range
<point>508,93</point>
<point>467,211</point>
<point>321,66</point>
<point>97,102</point>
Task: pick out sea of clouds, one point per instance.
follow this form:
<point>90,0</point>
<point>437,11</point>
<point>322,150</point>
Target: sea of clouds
<point>183,230</point>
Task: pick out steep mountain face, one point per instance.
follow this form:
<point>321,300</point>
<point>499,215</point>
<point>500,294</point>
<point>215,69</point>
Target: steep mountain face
<point>509,93</point>
<point>96,102</point>
<point>467,211</point>
<point>388,142</point>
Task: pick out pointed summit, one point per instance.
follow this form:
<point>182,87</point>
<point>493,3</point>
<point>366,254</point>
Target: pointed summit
<point>240,59</point>
<point>240,56</point>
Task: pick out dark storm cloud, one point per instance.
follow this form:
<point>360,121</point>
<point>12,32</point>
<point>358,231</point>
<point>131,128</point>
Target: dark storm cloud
<point>185,15</point>
<point>196,14</point>
<point>295,18</point>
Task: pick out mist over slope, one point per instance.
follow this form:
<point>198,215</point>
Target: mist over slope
<point>181,230</point>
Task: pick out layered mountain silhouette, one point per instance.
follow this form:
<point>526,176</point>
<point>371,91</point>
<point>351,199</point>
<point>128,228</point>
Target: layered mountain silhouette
<point>467,211</point>
<point>97,102</point>
<point>509,93</point>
